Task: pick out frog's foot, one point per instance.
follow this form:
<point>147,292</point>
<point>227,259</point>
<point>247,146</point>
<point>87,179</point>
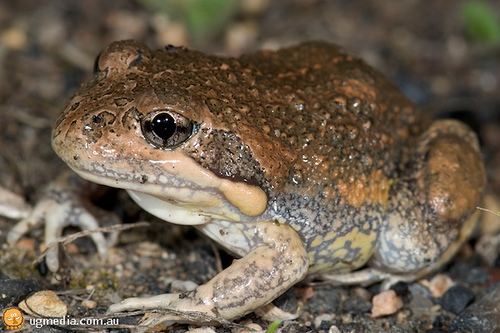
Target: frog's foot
<point>277,263</point>
<point>58,209</point>
<point>271,312</point>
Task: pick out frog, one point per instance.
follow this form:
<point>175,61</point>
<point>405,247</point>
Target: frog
<point>302,162</point>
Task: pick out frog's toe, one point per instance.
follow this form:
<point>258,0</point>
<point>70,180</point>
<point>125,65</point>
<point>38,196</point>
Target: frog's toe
<point>34,219</point>
<point>271,312</point>
<point>164,301</point>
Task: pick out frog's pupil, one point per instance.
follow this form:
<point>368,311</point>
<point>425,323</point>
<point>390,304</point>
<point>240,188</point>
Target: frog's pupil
<point>163,125</point>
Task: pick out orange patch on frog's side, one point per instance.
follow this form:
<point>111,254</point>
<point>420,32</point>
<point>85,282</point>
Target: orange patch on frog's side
<point>359,89</point>
<point>373,189</point>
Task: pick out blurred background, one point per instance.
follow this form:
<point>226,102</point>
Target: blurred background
<point>444,55</point>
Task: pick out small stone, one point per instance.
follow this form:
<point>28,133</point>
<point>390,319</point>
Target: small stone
<point>477,275</point>
<point>456,299</point>
<point>149,249</point>
<point>14,38</point>
<point>356,305</point>
<point>250,327</point>
<point>402,316</point>
<point>72,248</point>
<point>89,304</point>
<point>417,289</point>
<point>363,293</point>
<point>44,303</point>
<point>27,244</point>
<point>306,293</point>
<point>386,303</point>
<point>438,285</point>
<point>482,316</point>
<point>333,329</point>
<point>488,248</point>
<point>346,318</point>
<point>321,318</point>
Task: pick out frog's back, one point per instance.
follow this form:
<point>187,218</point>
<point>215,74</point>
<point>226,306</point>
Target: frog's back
<point>347,131</point>
<point>338,117</point>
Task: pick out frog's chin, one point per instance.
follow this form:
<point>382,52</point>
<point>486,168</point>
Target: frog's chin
<point>170,210</point>
<point>179,205</point>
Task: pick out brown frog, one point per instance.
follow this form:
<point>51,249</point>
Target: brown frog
<point>302,162</point>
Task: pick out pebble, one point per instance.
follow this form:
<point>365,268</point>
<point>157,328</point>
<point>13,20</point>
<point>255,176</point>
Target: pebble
<point>72,248</point>
<point>346,318</point>
<point>488,248</point>
<point>44,303</point>
<point>469,273</point>
<point>438,285</point>
<point>27,244</point>
<point>456,299</point>
<point>14,38</point>
<point>363,293</point>
<point>89,304</point>
<point>334,329</point>
<point>321,318</point>
<point>482,316</point>
<point>250,327</point>
<point>356,305</point>
<point>386,303</point>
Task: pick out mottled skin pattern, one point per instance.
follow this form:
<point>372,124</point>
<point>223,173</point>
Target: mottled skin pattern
<point>351,172</point>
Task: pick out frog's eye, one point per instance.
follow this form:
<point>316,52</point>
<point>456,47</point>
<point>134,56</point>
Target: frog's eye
<point>166,129</point>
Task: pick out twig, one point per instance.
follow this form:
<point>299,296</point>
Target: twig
<point>489,211</point>
<point>70,238</point>
<point>218,261</point>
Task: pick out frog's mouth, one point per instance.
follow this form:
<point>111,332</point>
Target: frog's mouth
<point>184,202</point>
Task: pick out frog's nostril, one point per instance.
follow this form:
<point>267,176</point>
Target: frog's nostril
<point>96,119</point>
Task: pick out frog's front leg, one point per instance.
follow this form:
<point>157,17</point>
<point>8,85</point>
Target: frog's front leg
<point>276,262</point>
<point>62,205</point>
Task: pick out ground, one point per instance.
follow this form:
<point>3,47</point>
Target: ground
<point>431,50</point>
